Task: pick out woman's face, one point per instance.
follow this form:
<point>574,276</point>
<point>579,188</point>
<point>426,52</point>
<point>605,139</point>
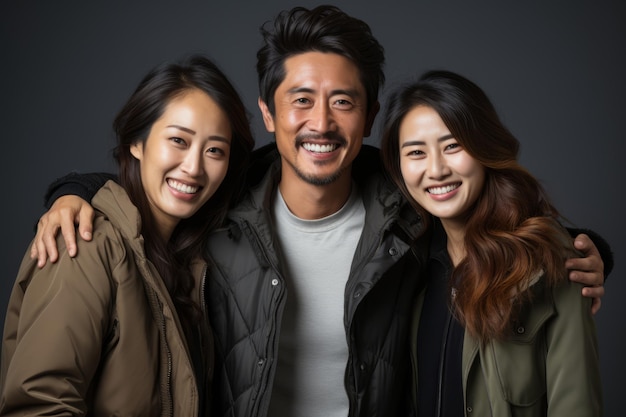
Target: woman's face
<point>185,157</point>
<point>439,174</point>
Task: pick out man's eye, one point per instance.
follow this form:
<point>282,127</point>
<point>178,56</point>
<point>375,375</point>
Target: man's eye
<point>344,104</point>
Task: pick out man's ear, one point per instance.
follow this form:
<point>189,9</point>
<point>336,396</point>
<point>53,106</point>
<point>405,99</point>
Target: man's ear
<point>371,116</point>
<point>268,118</point>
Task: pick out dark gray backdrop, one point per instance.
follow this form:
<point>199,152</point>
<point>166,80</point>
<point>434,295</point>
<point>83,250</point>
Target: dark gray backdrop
<point>555,71</point>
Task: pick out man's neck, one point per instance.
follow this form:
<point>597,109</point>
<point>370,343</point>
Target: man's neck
<point>309,202</point>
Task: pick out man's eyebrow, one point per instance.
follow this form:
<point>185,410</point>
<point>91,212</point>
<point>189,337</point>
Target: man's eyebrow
<point>349,92</point>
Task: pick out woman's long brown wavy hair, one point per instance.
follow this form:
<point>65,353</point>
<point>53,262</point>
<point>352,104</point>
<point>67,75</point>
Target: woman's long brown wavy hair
<point>513,233</point>
<point>132,125</point>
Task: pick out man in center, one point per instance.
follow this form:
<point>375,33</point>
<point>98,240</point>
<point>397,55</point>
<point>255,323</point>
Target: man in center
<point>313,277</point>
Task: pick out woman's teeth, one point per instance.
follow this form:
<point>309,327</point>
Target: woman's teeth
<point>183,188</point>
<point>443,190</point>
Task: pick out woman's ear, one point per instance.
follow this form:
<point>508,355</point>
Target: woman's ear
<point>136,150</point>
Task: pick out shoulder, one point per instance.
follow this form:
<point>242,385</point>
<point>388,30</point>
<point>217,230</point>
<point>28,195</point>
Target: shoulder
<point>89,279</point>
<point>107,249</point>
<point>567,296</point>
<point>558,295</point>
<point>96,263</point>
<point>550,303</point>
<point>108,241</point>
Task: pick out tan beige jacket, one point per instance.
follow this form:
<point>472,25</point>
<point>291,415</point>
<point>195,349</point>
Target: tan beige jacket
<point>97,334</point>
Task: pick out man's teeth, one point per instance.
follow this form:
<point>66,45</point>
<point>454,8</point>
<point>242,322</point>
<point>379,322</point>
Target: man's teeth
<point>312,147</point>
<point>443,190</point>
<point>183,188</point>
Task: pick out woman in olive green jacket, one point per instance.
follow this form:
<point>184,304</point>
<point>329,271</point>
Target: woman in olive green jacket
<point>498,329</point>
<point>538,371</point>
<point>121,329</point>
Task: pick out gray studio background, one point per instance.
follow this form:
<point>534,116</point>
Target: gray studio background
<point>554,69</point>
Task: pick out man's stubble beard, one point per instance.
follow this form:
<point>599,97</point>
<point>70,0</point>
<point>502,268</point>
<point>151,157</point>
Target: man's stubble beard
<point>316,180</point>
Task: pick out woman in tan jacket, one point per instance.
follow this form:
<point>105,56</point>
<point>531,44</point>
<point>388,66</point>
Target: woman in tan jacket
<point>499,330</point>
<point>120,329</point>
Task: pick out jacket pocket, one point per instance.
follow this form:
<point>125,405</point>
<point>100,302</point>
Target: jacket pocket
<point>521,373</point>
<point>520,361</point>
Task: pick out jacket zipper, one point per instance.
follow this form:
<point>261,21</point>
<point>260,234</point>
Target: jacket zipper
<point>352,402</point>
<point>203,289</point>
<point>170,411</point>
<point>203,341</point>
<point>441,364</point>
<point>262,409</point>
<point>352,405</point>
<point>166,400</point>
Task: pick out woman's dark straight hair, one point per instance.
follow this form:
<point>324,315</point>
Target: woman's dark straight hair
<point>133,124</point>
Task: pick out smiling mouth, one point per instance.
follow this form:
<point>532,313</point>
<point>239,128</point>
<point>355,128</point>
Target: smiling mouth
<point>443,190</point>
<point>313,147</point>
<point>183,188</point>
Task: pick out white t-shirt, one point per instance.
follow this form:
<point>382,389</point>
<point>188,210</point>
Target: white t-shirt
<point>313,351</point>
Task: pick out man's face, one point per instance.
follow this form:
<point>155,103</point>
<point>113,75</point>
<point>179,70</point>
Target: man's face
<point>320,117</point>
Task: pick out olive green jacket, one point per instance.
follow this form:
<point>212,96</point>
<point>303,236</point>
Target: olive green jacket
<point>548,367</point>
<point>98,334</point>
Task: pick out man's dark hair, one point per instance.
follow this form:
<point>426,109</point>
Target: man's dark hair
<point>322,29</point>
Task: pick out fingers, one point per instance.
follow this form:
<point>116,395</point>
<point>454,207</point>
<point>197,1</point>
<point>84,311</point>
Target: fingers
<point>85,221</point>
<point>589,269</point>
<point>595,305</point>
<point>593,292</point>
<point>66,220</point>
<point>589,252</point>
<point>40,249</point>
<point>593,278</point>
<point>62,215</point>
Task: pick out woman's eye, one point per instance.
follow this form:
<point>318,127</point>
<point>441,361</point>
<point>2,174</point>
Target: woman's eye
<point>416,153</point>
<point>177,140</point>
<point>215,150</point>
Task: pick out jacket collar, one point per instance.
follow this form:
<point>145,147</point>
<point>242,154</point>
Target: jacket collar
<point>113,201</point>
<point>383,202</point>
